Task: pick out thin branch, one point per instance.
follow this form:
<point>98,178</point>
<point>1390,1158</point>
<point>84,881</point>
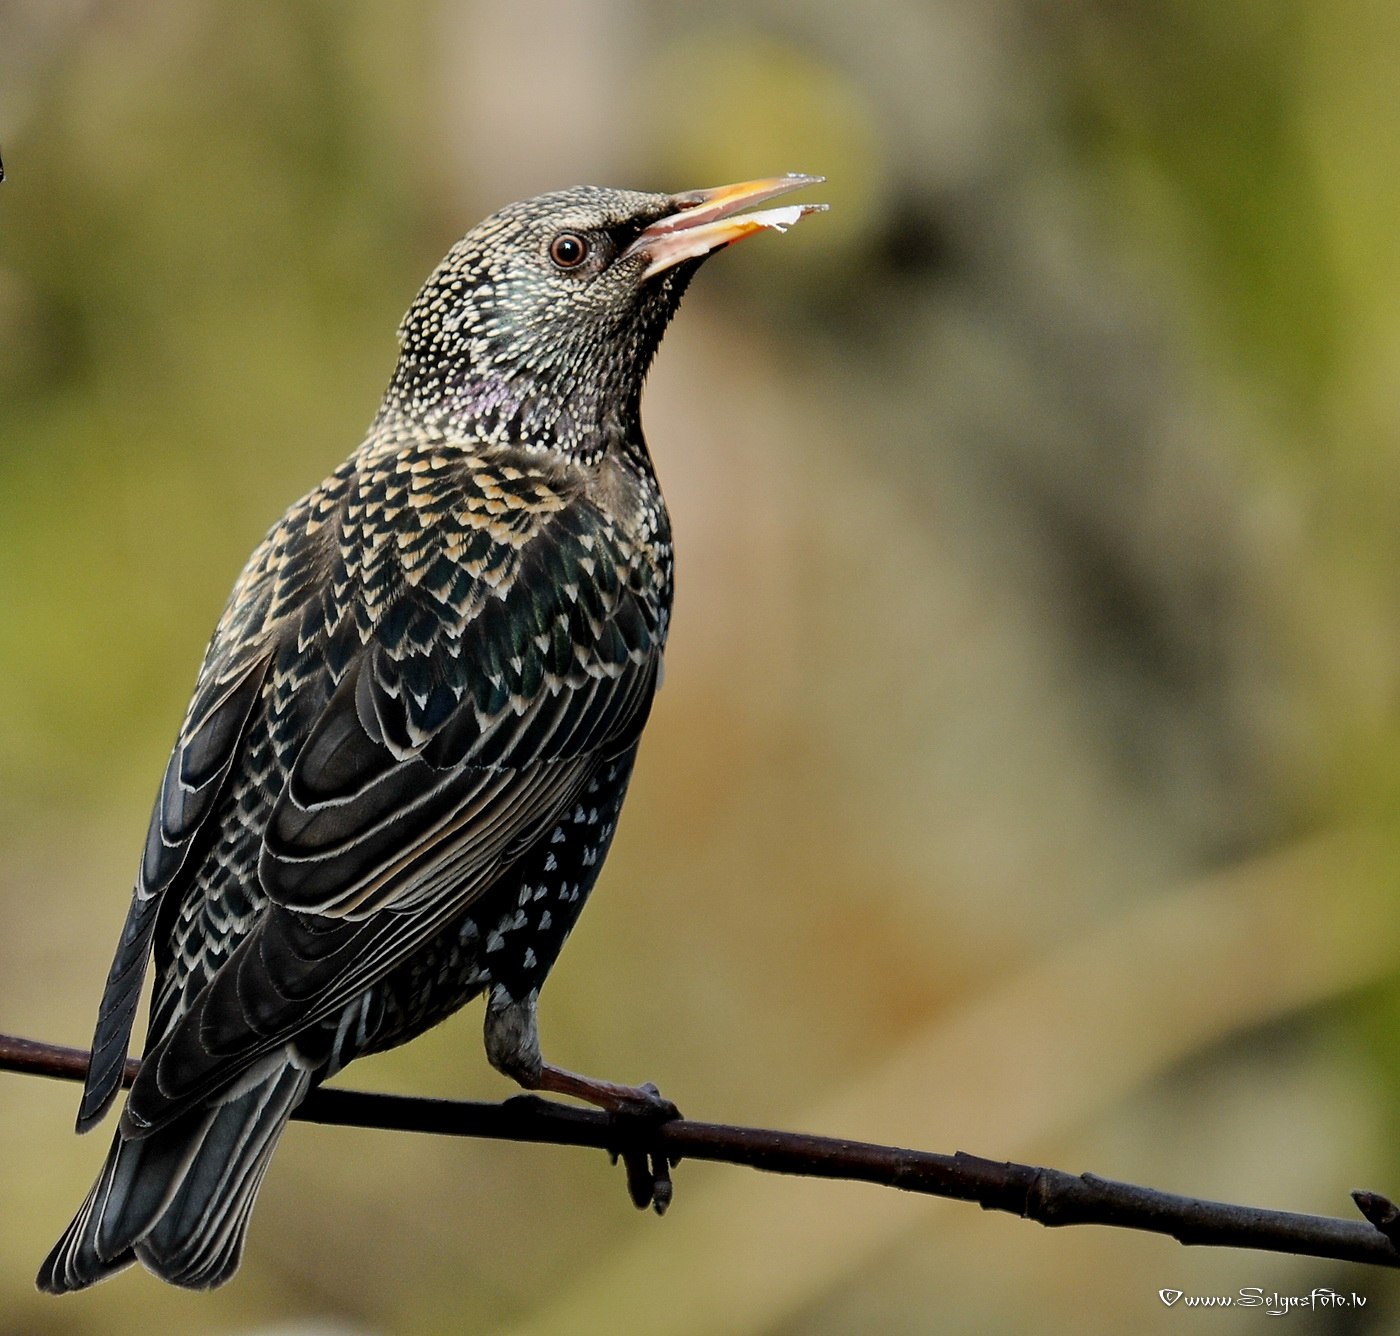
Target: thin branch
<point>1050,1196</point>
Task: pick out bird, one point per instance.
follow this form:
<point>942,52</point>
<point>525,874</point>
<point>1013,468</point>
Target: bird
<point>412,732</point>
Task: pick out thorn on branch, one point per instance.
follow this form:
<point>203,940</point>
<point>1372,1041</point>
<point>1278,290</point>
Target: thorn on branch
<point>1381,1212</point>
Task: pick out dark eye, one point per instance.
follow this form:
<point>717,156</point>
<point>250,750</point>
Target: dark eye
<point>568,250</point>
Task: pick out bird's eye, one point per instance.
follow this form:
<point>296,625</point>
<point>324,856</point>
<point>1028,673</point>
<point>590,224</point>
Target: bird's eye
<point>568,250</point>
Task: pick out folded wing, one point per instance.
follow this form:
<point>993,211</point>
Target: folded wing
<point>454,739</point>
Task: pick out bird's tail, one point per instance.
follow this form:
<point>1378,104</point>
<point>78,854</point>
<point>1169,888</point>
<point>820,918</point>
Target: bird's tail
<point>178,1199</point>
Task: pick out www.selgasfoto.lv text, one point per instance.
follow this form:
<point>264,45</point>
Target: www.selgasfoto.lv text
<point>1275,1305</point>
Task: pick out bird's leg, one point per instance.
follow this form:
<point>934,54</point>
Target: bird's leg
<point>513,1048</point>
<point>643,1101</point>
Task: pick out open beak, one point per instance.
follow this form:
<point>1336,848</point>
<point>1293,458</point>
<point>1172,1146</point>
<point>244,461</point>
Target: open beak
<point>705,220</point>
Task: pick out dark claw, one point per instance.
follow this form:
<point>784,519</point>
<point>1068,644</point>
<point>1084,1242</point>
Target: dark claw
<point>661,1186</point>
<point>639,1179</point>
<point>648,1180</point>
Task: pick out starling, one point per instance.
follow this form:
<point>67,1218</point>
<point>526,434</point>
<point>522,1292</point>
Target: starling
<point>414,726</point>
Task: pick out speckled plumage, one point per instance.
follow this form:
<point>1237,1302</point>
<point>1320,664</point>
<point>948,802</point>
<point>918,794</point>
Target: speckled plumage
<point>410,738</point>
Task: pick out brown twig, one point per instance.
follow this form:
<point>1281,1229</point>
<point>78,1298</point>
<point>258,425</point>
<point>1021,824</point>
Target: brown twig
<point>1050,1196</point>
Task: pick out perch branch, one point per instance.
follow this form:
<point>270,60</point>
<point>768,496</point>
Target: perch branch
<point>1050,1196</point>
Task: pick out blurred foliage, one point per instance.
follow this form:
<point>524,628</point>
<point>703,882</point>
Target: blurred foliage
<point>1026,773</point>
<point>1195,124</point>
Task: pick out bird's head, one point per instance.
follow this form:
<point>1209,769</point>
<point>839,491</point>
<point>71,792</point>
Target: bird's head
<point>539,326</point>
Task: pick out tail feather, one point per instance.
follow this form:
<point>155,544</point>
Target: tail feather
<point>198,1240</point>
<point>75,1263</point>
<point>179,1199</point>
<point>144,1178</point>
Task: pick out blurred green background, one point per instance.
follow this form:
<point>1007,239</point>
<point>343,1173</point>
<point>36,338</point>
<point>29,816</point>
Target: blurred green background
<point>1025,777</point>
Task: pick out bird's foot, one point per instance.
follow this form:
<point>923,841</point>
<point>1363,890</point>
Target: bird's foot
<point>637,1112</point>
<point>648,1169</point>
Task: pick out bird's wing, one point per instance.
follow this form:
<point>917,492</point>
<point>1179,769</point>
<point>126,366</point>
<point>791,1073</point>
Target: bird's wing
<point>457,735</point>
<point>195,778</point>
<point>280,574</point>
<point>446,731</point>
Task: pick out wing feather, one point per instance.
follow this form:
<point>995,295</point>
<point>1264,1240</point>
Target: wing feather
<point>195,777</point>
